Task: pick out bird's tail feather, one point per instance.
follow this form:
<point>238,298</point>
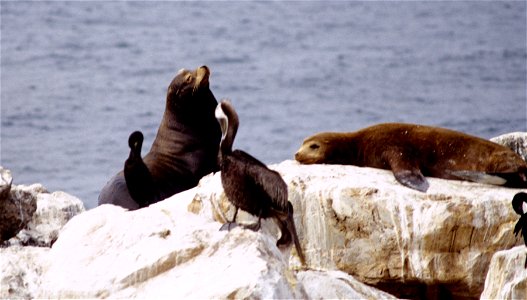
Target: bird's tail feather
<point>287,226</point>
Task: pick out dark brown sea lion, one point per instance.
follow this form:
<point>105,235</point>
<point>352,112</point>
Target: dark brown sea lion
<point>251,186</point>
<point>414,151</point>
<point>186,146</point>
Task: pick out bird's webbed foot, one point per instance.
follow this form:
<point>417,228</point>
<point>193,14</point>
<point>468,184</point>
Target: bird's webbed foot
<point>228,226</point>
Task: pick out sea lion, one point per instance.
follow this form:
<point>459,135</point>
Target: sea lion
<point>251,186</point>
<point>186,145</point>
<point>138,178</point>
<point>414,151</point>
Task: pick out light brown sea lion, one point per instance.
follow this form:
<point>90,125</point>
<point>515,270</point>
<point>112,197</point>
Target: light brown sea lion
<point>414,151</point>
<point>185,148</point>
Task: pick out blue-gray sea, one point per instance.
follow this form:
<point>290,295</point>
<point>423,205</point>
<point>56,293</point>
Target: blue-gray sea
<point>78,77</point>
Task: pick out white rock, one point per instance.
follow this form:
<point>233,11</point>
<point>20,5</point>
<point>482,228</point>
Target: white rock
<point>53,211</point>
<point>161,252</point>
<point>356,220</point>
<point>507,276</point>
<point>361,221</point>
<point>516,141</point>
<point>16,211</point>
<point>337,285</point>
<point>21,270</point>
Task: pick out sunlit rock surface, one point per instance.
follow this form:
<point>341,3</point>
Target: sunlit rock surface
<point>356,226</point>
<point>53,211</point>
<point>363,222</point>
<point>16,210</point>
<point>21,270</point>
<point>507,275</point>
<point>516,141</point>
<point>164,252</point>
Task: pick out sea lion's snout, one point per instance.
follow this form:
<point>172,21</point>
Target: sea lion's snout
<point>202,76</point>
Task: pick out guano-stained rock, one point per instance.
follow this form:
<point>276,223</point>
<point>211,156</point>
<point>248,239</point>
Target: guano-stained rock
<point>517,141</point>
<point>16,211</point>
<point>164,252</point>
<point>361,221</point>
<point>507,275</point>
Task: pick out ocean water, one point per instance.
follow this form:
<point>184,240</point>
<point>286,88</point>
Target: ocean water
<point>78,77</point>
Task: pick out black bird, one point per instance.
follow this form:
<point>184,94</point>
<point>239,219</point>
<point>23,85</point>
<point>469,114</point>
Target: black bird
<point>517,205</point>
<point>138,178</point>
<point>251,186</point>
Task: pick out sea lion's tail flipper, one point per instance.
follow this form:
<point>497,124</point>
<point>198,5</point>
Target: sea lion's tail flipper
<point>479,177</point>
<point>287,226</point>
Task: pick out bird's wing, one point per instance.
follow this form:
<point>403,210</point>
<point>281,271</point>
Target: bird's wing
<point>269,181</point>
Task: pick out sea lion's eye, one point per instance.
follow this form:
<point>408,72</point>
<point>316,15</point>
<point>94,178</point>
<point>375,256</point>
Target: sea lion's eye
<point>188,78</point>
<point>314,146</point>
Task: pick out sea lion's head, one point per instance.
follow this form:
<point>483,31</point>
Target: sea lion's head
<point>188,85</point>
<point>315,149</point>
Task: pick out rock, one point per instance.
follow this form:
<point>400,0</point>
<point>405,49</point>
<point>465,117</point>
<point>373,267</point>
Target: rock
<point>355,225</point>
<point>165,252</point>
<point>21,270</point>
<point>16,211</point>
<point>22,266</point>
<point>517,141</point>
<point>361,221</point>
<point>507,276</point>
<point>337,285</point>
<point>5,183</point>
<point>53,212</point>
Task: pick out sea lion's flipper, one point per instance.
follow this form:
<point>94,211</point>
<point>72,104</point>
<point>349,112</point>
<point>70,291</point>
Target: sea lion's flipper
<point>412,178</point>
<point>405,169</point>
<point>479,177</point>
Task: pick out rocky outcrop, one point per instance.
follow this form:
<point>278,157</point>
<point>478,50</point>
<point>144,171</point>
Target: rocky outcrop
<point>362,222</point>
<point>16,210</point>
<point>21,271</point>
<point>507,275</point>
<point>5,183</point>
<point>517,141</point>
<point>164,252</point>
<point>43,215</point>
<point>356,226</point>
<point>53,211</point>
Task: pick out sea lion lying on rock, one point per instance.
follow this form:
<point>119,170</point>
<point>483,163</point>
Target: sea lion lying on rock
<point>415,151</point>
<point>186,146</point>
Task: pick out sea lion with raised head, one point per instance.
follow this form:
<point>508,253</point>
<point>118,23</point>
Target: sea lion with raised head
<point>412,152</point>
<point>251,186</point>
<point>186,145</point>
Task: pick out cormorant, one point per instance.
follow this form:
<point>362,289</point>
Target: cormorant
<point>517,205</point>
<point>138,178</point>
<point>250,185</point>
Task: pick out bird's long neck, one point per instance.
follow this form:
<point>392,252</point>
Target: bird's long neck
<point>135,152</point>
<point>231,130</point>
